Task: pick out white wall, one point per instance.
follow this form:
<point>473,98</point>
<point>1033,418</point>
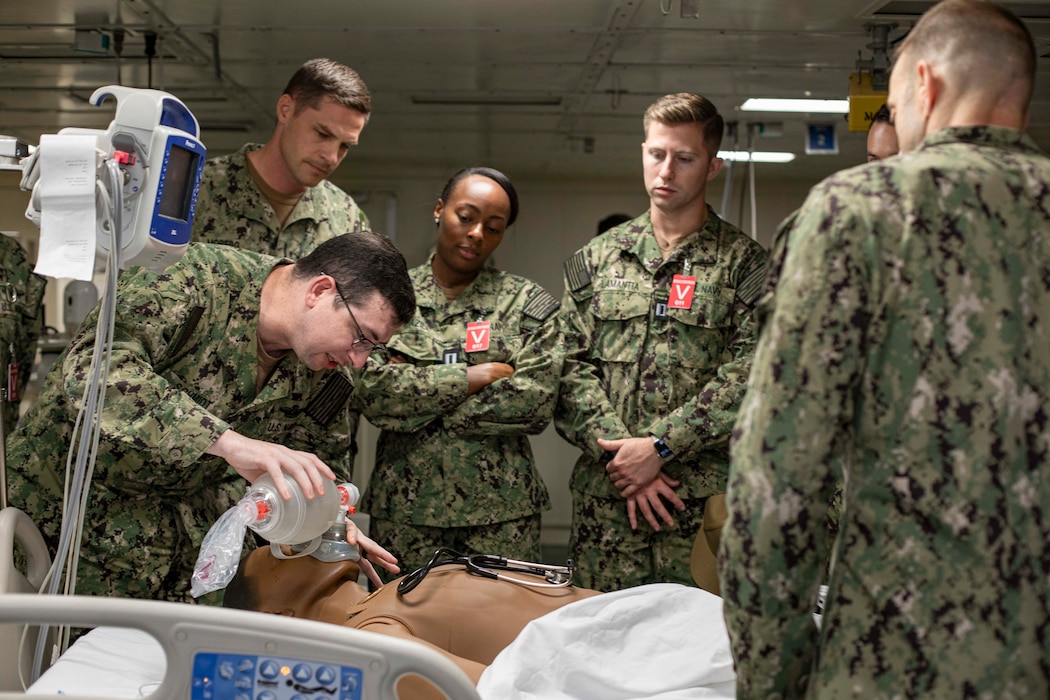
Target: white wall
<point>556,218</point>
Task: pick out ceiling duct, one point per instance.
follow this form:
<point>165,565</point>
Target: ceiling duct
<point>878,66</point>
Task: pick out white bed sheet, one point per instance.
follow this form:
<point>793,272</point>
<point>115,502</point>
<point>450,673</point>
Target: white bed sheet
<point>111,662</point>
<point>662,642</point>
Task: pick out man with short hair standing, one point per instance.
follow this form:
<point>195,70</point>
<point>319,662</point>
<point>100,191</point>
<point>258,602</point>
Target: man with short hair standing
<point>907,342</point>
<point>275,198</point>
<point>658,336</point>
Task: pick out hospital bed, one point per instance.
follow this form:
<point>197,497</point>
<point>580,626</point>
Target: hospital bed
<point>17,527</point>
<point>662,641</point>
<point>218,653</point>
<point>175,650</point>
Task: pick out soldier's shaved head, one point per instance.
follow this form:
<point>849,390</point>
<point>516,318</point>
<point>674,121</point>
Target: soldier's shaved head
<point>965,62</point>
<point>982,47</point>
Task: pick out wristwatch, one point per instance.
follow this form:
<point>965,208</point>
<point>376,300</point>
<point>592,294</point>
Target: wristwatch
<point>661,448</point>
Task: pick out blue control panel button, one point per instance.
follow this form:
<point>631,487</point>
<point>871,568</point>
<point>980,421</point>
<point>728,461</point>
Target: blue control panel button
<point>269,670</point>
<point>217,676</point>
<point>326,675</point>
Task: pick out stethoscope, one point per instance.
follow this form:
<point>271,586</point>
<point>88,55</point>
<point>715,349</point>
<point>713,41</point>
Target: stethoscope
<point>493,567</point>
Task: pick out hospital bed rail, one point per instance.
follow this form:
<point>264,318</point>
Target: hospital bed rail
<point>18,641</point>
<point>193,636</point>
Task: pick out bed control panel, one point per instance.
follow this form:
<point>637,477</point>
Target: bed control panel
<point>259,677</point>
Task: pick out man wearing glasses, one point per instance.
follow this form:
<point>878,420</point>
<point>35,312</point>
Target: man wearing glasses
<point>363,345</point>
<point>228,358</point>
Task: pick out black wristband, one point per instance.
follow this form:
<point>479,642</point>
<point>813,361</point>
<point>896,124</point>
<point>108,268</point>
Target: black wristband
<point>662,449</point>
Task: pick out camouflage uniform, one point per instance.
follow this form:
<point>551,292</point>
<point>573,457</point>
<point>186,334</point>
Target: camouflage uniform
<point>908,342</point>
<point>631,373</point>
<point>446,460</point>
<point>21,319</point>
<point>777,255</point>
<point>183,370</point>
<point>232,211</point>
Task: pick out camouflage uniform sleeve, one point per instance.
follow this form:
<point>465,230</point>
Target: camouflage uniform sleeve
<point>583,412</point>
<point>774,267</point>
<point>362,223</point>
<point>21,313</point>
<point>781,479</point>
<point>32,318</point>
<point>142,410</point>
<point>404,397</point>
<point>207,212</point>
<point>523,403</point>
<point>707,419</point>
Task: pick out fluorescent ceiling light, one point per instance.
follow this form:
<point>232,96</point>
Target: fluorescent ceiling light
<point>768,104</point>
<point>758,156</point>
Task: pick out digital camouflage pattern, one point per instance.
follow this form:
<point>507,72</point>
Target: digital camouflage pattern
<point>777,255</point>
<point>232,211</point>
<point>21,319</point>
<point>183,370</point>
<point>446,459</point>
<point>599,526</point>
<point>629,373</point>
<point>907,341</point>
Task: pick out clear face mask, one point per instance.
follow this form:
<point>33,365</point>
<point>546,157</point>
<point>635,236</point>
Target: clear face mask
<point>314,526</point>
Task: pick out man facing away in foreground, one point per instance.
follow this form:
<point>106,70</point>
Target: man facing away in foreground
<point>907,341</point>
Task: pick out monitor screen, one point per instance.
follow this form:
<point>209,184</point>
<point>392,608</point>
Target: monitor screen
<point>178,183</point>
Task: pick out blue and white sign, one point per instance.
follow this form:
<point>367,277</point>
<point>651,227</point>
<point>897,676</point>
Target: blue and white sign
<point>821,140</point>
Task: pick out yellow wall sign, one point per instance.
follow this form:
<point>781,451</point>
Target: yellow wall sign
<point>864,101</point>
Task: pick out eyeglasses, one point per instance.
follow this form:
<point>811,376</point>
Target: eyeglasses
<point>362,343</point>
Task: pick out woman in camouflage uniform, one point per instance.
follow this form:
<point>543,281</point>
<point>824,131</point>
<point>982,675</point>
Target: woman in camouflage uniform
<point>466,382</point>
